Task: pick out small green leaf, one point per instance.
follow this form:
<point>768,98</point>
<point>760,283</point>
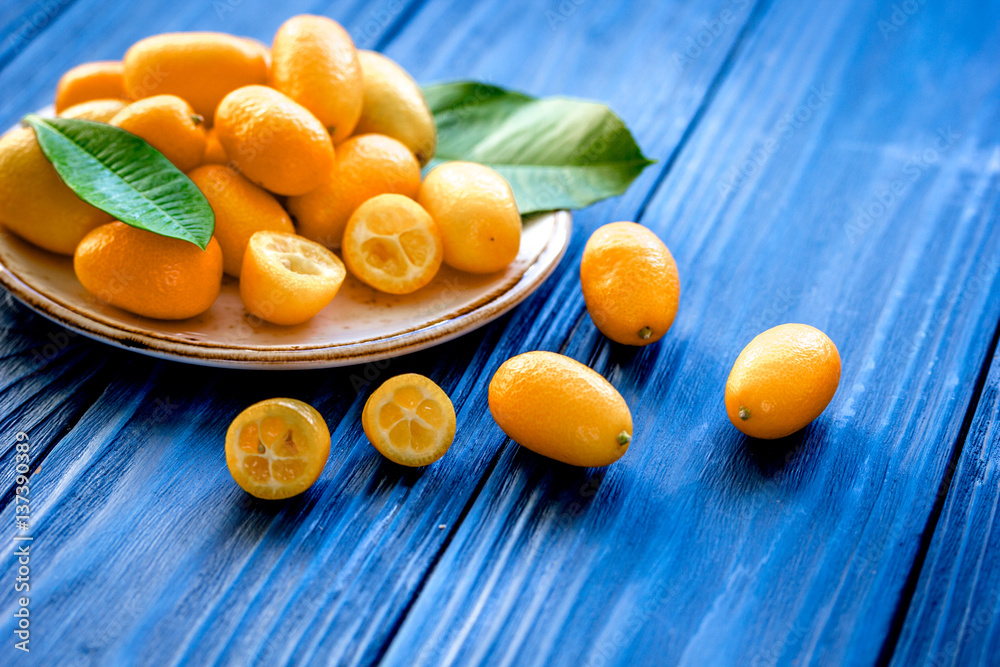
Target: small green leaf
<point>124,176</point>
<point>557,153</point>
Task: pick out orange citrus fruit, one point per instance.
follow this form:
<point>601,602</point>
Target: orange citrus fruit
<point>277,448</point>
<point>265,52</point>
<point>99,111</point>
<point>148,274</point>
<point>169,125</point>
<point>201,67</point>
<point>630,283</point>
<point>35,204</point>
<point>214,152</point>
<point>274,141</point>
<point>314,62</point>
<point>392,244</point>
<point>394,105</point>
<point>409,420</point>
<point>286,279</point>
<point>90,81</point>
<point>365,166</point>
<point>475,210</point>
<point>559,408</point>
<point>782,380</point>
<point>241,209</point>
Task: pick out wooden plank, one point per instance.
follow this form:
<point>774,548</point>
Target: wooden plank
<point>49,379</point>
<point>327,576</point>
<point>954,617</point>
<point>844,176</point>
<point>22,22</point>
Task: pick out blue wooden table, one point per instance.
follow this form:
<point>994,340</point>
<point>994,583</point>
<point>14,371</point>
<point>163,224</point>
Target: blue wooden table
<point>834,162</point>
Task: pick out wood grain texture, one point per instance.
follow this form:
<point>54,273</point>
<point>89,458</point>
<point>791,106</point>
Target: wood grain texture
<point>780,128</point>
<point>23,22</point>
<point>136,510</point>
<point>831,181</point>
<point>954,618</point>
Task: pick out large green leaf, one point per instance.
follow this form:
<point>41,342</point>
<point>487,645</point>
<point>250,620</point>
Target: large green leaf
<point>123,175</point>
<point>556,153</point>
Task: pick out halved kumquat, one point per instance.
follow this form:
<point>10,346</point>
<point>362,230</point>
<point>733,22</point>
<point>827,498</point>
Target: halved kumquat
<point>392,244</point>
<point>287,279</point>
<point>410,420</point>
<point>277,448</point>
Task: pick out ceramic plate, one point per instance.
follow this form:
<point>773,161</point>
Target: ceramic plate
<point>360,324</point>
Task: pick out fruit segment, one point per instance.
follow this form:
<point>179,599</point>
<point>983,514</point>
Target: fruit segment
<point>365,166</point>
<point>410,420</point>
<point>277,448</point>
<point>393,245</point>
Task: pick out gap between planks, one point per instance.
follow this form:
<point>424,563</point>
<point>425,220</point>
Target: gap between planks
<point>913,577</point>
<point>750,25</point>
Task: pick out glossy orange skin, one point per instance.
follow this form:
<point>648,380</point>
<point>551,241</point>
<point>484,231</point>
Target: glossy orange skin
<point>782,380</point>
<point>103,79</point>
<point>475,210</point>
<point>35,204</point>
<point>168,124</point>
<point>99,111</point>
<point>314,62</point>
<point>630,283</point>
<point>201,67</point>
<point>241,209</point>
<point>148,274</point>
<point>394,105</point>
<point>559,408</point>
<point>274,141</point>
<point>365,166</point>
<point>214,152</point>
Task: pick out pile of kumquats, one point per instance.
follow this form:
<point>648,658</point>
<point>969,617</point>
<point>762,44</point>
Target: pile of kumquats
<point>311,147</point>
<point>302,148</point>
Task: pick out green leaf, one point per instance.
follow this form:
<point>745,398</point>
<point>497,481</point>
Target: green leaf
<point>557,153</point>
<point>123,175</point>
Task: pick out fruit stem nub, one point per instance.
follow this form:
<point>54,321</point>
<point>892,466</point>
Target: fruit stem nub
<point>744,413</point>
<point>645,333</point>
<point>197,119</point>
<point>624,438</point>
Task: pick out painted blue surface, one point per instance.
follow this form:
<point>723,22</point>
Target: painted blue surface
<point>835,163</point>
